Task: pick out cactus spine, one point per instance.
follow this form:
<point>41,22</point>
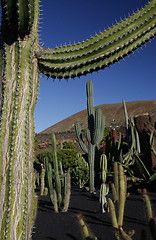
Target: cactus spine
<point>93,133</point>
<point>21,58</point>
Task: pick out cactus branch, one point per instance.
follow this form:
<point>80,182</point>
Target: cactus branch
<point>102,49</point>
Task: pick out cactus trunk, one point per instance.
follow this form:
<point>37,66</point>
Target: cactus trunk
<point>91,159</point>
<point>16,138</point>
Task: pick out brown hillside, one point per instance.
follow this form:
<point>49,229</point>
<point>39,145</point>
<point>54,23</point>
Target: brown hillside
<point>110,111</point>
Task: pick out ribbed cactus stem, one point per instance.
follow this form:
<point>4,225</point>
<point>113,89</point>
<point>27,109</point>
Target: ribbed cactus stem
<point>113,213</point>
<point>103,167</point>
<point>125,113</point>
<point>149,212</point>
<point>122,195</point>
<point>56,170</point>
<point>116,180</point>
<point>16,138</point>
<point>49,175</point>
<point>87,235</point>
<point>42,177</point>
<point>55,201</point>
<point>67,192</point>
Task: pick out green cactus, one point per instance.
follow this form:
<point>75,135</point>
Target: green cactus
<point>86,233</point>
<point>58,183</point>
<point>93,133</point>
<point>21,60</point>
<point>117,212</point>
<point>152,139</point>
<point>150,218</point>
<point>132,156</point>
<point>56,171</point>
<point>104,189</point>
<point>42,177</point>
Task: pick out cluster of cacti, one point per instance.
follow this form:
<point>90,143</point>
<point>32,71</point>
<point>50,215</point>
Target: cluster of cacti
<point>93,133</point>
<point>21,58</point>
<point>131,132</point>
<point>132,157</point>
<point>127,151</point>
<point>55,181</point>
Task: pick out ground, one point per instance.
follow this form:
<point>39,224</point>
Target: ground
<point>64,226</point>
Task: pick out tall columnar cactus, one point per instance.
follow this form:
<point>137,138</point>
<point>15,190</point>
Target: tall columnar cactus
<point>93,133</point>
<point>56,171</point>
<point>21,59</point>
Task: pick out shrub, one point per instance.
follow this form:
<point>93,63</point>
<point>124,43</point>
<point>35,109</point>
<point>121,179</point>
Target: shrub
<point>74,162</point>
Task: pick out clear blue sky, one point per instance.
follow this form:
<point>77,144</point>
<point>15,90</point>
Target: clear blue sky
<point>69,21</point>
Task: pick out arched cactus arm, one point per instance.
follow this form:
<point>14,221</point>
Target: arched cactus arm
<point>103,49</point>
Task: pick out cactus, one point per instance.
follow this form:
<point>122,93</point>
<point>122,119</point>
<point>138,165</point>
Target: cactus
<point>117,214</point>
<point>132,156</point>
<point>21,60</point>
<point>104,189</point>
<point>152,139</point>
<point>58,182</point>
<point>150,218</point>
<point>56,171</point>
<point>102,49</point>
<point>86,233</point>
<point>42,177</point>
<point>93,133</point>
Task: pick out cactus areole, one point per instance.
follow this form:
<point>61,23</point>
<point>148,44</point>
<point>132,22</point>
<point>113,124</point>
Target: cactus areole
<point>22,59</point>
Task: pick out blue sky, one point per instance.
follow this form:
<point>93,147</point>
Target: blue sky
<point>69,21</point>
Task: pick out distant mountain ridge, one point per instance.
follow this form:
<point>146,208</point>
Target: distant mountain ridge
<point>110,111</point>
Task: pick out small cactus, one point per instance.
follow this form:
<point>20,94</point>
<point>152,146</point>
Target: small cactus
<point>104,189</point>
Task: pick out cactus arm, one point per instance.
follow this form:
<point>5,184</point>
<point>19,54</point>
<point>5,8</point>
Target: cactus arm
<point>99,126</point>
<point>113,214</point>
<point>125,113</point>
<point>103,49</point>
<point>79,137</point>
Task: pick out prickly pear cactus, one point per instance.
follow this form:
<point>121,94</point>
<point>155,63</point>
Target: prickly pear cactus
<point>21,59</point>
